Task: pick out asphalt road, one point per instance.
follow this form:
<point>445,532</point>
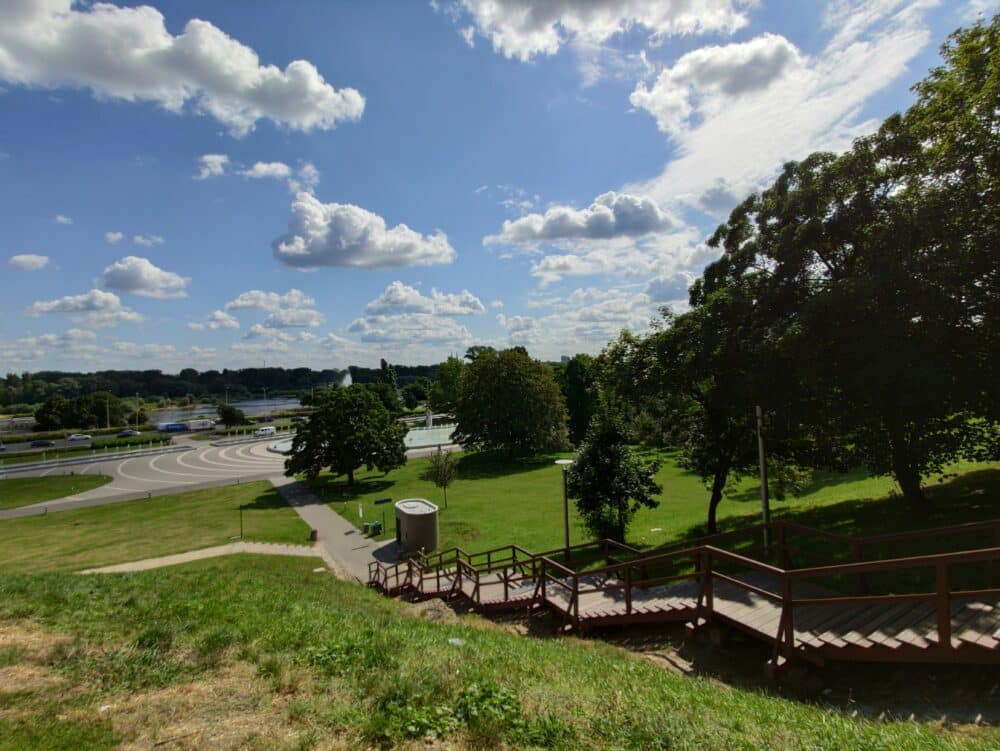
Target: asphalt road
<point>202,466</point>
<point>25,446</point>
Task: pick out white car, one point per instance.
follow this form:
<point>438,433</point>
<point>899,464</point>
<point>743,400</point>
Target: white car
<point>78,437</point>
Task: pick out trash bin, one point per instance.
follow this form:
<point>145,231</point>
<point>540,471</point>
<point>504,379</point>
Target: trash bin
<point>375,529</point>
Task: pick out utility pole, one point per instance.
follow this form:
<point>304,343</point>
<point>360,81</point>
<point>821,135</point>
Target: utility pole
<point>107,413</point>
<point>762,460</point>
<point>138,406</point>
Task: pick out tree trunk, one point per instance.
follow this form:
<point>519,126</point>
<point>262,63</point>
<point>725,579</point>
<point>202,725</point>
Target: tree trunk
<point>905,473</point>
<point>445,496</point>
<point>621,522</point>
<point>350,477</point>
<point>718,483</point>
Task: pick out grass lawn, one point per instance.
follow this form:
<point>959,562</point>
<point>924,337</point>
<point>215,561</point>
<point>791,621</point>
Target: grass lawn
<point>23,491</point>
<point>496,501</point>
<point>120,532</point>
<point>260,653</point>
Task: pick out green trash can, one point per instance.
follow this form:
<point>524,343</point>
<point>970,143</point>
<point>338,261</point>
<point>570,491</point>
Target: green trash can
<point>375,528</point>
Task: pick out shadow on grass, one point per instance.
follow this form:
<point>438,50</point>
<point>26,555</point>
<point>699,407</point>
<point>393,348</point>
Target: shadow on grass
<point>269,499</point>
<point>482,465</point>
<point>330,489</point>
<point>817,482</point>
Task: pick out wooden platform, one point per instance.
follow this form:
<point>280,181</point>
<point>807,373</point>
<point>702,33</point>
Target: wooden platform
<point>785,607</point>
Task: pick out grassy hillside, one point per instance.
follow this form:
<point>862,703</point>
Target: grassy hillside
<point>23,491</point>
<point>102,535</point>
<point>259,653</point>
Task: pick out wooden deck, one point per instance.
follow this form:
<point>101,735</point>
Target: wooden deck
<point>786,607</point>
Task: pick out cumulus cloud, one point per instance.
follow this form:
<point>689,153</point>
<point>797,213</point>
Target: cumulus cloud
<point>267,170</point>
<point>145,349</point>
<point>28,262</point>
<point>271,301</point>
<point>415,328</point>
<point>719,72</point>
<point>814,102</point>
<point>61,219</point>
<point>211,165</point>
<point>335,234</point>
<point>142,277</point>
<point>128,54</point>
<point>670,288</point>
<point>305,180</point>
<point>399,298</point>
<point>523,29</point>
<point>610,215</point>
<point>286,318</point>
<point>95,308</point>
<point>216,320</point>
<point>113,238</point>
<point>148,241</point>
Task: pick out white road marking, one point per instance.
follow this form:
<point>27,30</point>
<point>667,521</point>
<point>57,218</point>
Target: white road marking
<point>127,476</point>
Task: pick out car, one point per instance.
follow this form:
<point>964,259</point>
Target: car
<point>128,434</point>
<point>42,444</point>
<point>79,437</point>
<point>265,418</point>
<point>299,418</point>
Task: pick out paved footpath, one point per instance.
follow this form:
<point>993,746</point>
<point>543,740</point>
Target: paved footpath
<point>233,548</point>
<point>343,543</point>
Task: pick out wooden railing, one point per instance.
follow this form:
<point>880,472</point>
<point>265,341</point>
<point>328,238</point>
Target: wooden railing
<point>702,560</point>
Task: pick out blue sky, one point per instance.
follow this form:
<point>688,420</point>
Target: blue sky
<point>221,184</point>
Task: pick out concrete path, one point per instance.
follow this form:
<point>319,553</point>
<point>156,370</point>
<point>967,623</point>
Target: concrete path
<point>350,551</point>
<point>233,548</point>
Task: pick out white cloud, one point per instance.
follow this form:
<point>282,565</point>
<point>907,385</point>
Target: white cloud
<point>142,277</point>
<point>216,320</point>
<point>271,301</point>
<point>96,308</point>
<point>202,353</point>
<point>496,304</point>
<point>146,349</point>
<point>257,348</point>
<point>399,298</point>
<point>285,318</point>
<point>148,241</point>
<point>306,179</point>
<point>60,219</point>
<point>113,238</point>
<point>267,170</point>
<point>28,262</point>
<point>610,215</point>
<point>522,29</point>
<point>415,328</point>
<point>211,165</point>
<point>128,54</point>
<point>736,143</point>
<point>334,234</point>
<point>721,73</point>
<point>670,288</point>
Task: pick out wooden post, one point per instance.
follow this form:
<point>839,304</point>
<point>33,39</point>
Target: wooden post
<point>628,589</point>
<point>782,547</point>
<point>856,556</point>
<point>706,572</point>
<point>943,606</point>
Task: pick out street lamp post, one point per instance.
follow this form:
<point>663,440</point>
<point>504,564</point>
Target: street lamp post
<point>564,464</point>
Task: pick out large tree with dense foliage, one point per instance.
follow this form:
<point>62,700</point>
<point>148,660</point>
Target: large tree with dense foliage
<point>349,429</point>
<point>608,479</point>
<point>578,380</point>
<point>511,402</point>
<point>445,389</point>
<point>231,416</point>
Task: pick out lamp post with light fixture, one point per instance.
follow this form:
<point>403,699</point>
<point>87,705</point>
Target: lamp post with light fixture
<point>565,464</point>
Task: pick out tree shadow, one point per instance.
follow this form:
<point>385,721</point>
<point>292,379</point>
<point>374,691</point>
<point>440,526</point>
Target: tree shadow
<point>818,481</point>
<point>482,465</point>
<point>336,490</point>
<point>269,499</point>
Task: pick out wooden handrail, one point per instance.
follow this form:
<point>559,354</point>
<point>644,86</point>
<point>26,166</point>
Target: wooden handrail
<point>747,586</point>
<point>921,561</point>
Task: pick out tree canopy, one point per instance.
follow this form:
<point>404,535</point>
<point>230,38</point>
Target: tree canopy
<point>349,429</point>
<point>511,402</point>
<point>608,479</point>
<point>445,389</point>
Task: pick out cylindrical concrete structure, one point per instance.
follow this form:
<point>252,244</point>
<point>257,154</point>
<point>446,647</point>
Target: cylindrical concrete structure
<point>416,525</point>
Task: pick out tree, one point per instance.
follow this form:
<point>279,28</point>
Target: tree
<point>608,480</point>
<point>230,415</point>
<point>387,374</point>
<point>509,401</point>
<point>388,395</point>
<point>411,395</point>
<point>579,386</point>
<point>442,470</point>
<point>49,416</point>
<point>445,389</point>
<point>476,350</point>
<point>349,429</point>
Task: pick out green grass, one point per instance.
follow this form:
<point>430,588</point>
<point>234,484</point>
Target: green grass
<point>351,668</point>
<point>103,535</point>
<point>23,491</point>
<point>496,501</point>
